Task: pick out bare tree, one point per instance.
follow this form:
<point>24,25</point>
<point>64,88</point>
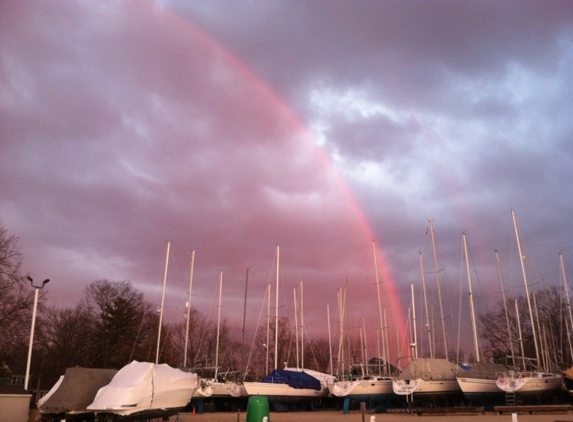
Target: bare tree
<point>317,355</point>
<point>550,314</point>
<point>124,324</point>
<point>64,340</point>
<point>16,300</point>
<point>258,356</point>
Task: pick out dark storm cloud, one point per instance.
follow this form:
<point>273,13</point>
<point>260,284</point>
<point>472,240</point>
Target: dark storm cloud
<point>127,124</point>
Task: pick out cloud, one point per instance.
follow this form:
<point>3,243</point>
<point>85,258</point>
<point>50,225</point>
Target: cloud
<point>229,128</point>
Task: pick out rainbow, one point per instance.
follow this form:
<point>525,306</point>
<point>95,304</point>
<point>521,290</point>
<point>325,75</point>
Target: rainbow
<point>263,90</point>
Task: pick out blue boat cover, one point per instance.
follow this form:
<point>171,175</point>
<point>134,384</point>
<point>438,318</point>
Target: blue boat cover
<point>294,379</point>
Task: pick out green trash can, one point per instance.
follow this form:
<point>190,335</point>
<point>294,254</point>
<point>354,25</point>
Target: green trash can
<point>257,409</point>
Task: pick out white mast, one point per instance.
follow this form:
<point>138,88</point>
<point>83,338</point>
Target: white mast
<point>365,348</point>
<point>268,327</point>
<point>542,350</point>
<point>218,324</point>
<point>384,356</point>
<point>162,302</point>
<point>361,333</point>
<point>521,260</point>
<point>505,306</point>
<point>244,319</point>
<point>566,295</point>
<point>520,335</point>
<point>277,312</point>
<point>387,343</point>
<point>341,315</point>
<point>414,322</point>
<point>472,311</point>
<point>296,327</point>
<point>329,338</point>
<point>439,289</point>
<point>301,325</point>
<point>428,326</point>
<point>188,309</point>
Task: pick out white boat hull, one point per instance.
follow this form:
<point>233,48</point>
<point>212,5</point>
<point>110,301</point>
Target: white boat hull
<point>482,390</point>
<point>203,392</point>
<point>227,389</point>
<point>363,388</point>
<point>406,387</point>
<point>538,384</point>
<point>426,388</point>
<point>283,393</point>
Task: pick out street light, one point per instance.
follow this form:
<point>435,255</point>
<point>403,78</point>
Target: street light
<point>37,288</point>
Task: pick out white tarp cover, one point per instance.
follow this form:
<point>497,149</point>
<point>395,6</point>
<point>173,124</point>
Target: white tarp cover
<point>144,386</point>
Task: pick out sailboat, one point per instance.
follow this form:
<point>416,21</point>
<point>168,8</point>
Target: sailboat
<point>430,378</point>
<point>203,390</point>
<point>288,385</point>
<point>478,382</point>
<point>369,386</point>
<point>538,384</point>
<point>568,373</point>
<point>217,386</point>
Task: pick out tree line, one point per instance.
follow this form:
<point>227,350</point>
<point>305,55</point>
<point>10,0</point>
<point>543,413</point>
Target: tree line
<point>112,324</point>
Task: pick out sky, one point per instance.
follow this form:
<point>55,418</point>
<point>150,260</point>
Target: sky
<point>334,130</point>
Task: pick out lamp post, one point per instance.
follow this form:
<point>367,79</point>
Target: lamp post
<point>36,293</point>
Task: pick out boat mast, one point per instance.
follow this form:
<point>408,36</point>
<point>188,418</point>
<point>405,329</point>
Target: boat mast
<point>189,309</point>
<point>414,322</point>
<point>329,338</point>
<point>505,306</point>
<point>384,356</point>
<point>520,335</point>
<point>472,310</point>
<point>277,312</point>
<point>296,326</point>
<point>543,350</point>
<point>361,334</point>
<point>244,320</point>
<point>387,343</point>
<point>218,325</point>
<point>301,325</point>
<point>562,266</point>
<point>162,302</point>
<point>521,260</point>
<point>439,289</point>
<point>428,329</point>
<point>268,327</point>
<point>341,315</point>
<point>366,370</point>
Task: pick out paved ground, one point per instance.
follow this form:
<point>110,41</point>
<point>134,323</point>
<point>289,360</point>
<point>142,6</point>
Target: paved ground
<point>357,416</point>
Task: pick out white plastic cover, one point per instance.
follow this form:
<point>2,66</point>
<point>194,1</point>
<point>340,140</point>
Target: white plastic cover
<point>144,386</point>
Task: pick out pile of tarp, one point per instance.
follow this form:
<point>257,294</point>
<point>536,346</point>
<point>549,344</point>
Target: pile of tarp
<point>75,390</point>
<point>482,370</point>
<point>429,369</point>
